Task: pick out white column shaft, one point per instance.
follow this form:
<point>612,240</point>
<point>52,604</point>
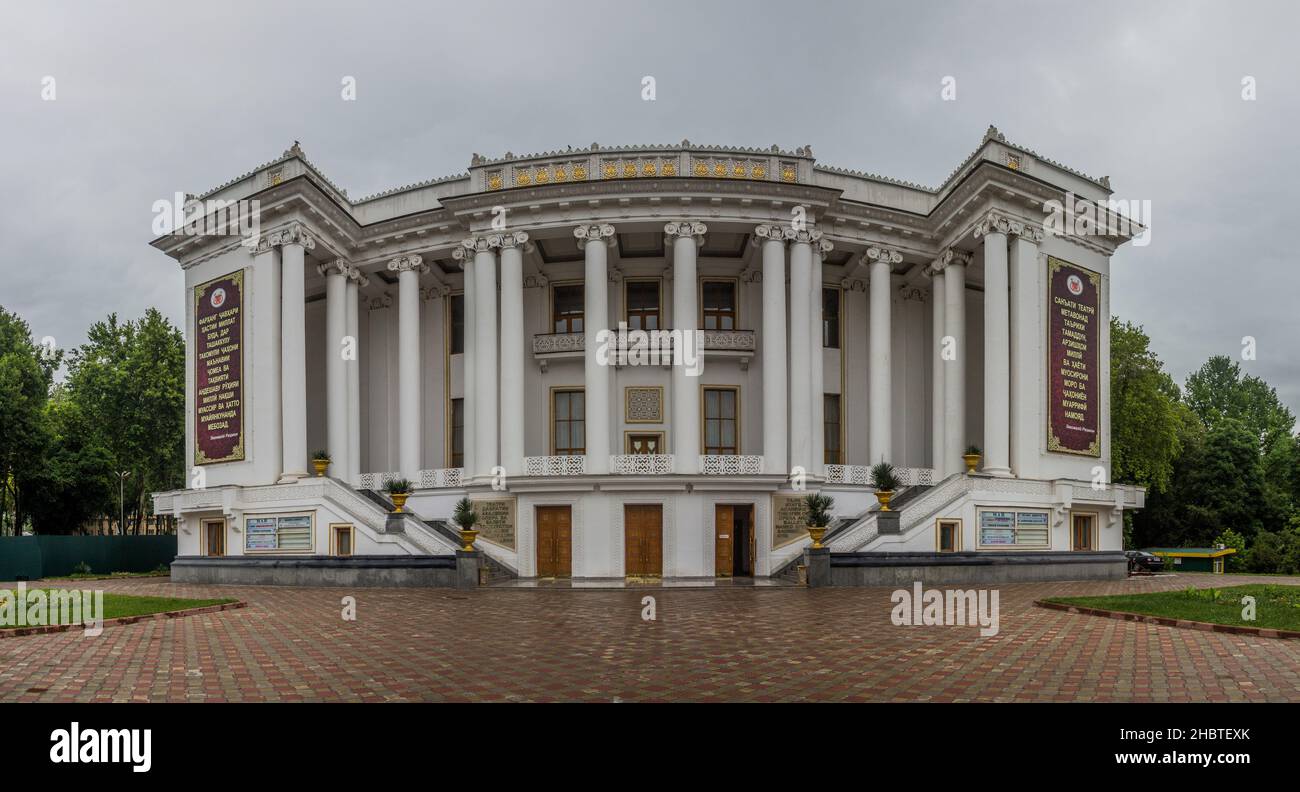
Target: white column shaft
<point>816,355</point>
<point>775,454</point>
<point>997,357</point>
<point>1027,357</point>
<point>686,396</point>
<point>512,359</point>
<point>410,429</point>
<point>939,368</point>
<point>880,383</point>
<point>469,408</point>
<point>955,378</point>
<point>595,320</point>
<point>293,358</point>
<point>351,298</point>
<point>485,365</point>
<point>336,375</point>
<point>801,427</point>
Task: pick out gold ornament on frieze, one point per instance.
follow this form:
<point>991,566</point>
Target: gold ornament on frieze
<point>609,171</point>
<point>629,170</point>
<point>523,178</point>
<point>542,177</point>
<point>720,170</point>
<point>579,172</point>
<point>787,173</point>
<point>670,169</point>
<point>758,172</point>
<point>738,171</point>
<point>649,169</point>
<point>494,181</point>
<point>560,174</point>
<point>701,169</point>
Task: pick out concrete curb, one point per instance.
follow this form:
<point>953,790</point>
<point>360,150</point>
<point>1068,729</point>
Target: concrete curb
<point>176,614</point>
<point>1261,632</point>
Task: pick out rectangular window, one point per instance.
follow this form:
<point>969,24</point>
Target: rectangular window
<point>457,433</point>
<point>1005,528</point>
<point>644,443</point>
<point>719,305</point>
<point>566,308</point>
<point>568,426</point>
<point>831,318</point>
<point>721,421</point>
<point>642,305</point>
<point>342,539</point>
<point>949,536</point>
<point>457,324</point>
<point>831,428</point>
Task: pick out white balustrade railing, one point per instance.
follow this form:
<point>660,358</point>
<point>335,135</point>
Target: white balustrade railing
<point>555,465</point>
<point>376,481</point>
<point>641,464</point>
<point>441,478</point>
<point>860,475</point>
<point>730,464</point>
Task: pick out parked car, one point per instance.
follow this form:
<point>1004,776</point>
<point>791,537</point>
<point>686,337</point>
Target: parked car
<point>1142,561</point>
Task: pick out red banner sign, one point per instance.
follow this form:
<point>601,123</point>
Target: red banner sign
<point>219,370</point>
<point>1073,367</point>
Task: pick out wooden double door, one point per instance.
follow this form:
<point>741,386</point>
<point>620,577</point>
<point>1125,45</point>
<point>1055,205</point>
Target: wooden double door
<point>554,541</point>
<point>733,541</point>
<point>643,540</point>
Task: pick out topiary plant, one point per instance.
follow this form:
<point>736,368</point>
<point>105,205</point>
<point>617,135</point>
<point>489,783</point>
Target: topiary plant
<point>464,515</point>
<point>883,478</point>
<point>819,510</point>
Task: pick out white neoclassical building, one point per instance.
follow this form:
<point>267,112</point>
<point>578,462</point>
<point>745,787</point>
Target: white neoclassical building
<point>815,320</point>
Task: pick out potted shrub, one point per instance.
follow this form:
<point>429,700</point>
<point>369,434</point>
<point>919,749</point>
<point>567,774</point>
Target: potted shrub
<point>465,517</point>
<point>320,460</point>
<point>399,490</point>
<point>972,458</point>
<point>819,516</point>
<point>885,482</point>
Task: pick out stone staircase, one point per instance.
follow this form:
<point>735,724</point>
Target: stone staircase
<point>496,571</point>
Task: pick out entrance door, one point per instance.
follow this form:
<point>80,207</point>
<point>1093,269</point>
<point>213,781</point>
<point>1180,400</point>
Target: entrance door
<point>643,538</point>
<point>554,541</point>
<point>1081,532</point>
<point>214,537</point>
<point>733,541</point>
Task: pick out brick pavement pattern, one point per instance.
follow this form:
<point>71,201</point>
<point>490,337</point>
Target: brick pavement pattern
<point>751,644</point>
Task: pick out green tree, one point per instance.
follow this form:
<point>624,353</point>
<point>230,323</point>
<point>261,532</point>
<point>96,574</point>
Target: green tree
<point>26,373</point>
<point>1230,538</point>
<point>1146,427</point>
<point>1217,390</point>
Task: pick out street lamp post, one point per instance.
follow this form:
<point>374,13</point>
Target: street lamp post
<point>122,476</point>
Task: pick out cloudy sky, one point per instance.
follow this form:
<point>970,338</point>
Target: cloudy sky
<point>152,98</point>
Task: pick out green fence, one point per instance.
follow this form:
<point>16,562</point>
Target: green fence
<point>33,557</point>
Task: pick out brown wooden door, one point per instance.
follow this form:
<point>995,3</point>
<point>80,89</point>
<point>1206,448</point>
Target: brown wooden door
<point>554,541</point>
<point>724,541</point>
<point>1082,532</point>
<point>643,538</point>
<point>215,537</point>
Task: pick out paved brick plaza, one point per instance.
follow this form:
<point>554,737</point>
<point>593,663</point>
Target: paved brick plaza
<point>760,644</point>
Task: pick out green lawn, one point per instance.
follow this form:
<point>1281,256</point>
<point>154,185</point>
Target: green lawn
<point>110,576</point>
<point>1276,607</point>
<point>115,605</point>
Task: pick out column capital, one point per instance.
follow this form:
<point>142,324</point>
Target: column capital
<point>513,239</point>
<point>687,228</point>
<point>853,284</point>
<point>408,263</point>
<point>538,281</point>
<point>951,256</point>
<point>594,232</point>
<point>998,223</point>
<point>435,291</point>
<point>884,255</point>
<point>293,234</point>
<point>336,267</point>
<point>805,236</point>
<point>771,233</point>
<point>381,301</point>
<point>480,244</point>
<point>354,273</point>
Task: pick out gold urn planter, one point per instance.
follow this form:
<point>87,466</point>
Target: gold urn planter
<point>816,533</point>
<point>972,461</point>
<point>399,500</point>
<point>468,536</point>
<point>320,466</point>
<point>884,496</point>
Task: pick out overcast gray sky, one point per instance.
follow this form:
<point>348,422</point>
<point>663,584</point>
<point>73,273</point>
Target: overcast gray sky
<point>158,97</point>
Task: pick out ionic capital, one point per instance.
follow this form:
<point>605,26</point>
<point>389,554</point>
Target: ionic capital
<point>884,255</point>
<point>292,234</point>
<point>772,233</point>
<point>951,256</point>
<point>514,239</point>
<point>804,236</point>
<point>594,233</point>
<point>336,267</point>
<point>999,223</point>
<point>823,248</point>
<point>687,228</point>
<point>480,244</point>
<point>408,264</point>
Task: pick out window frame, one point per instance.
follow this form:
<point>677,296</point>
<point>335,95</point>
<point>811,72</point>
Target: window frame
<point>956,522</point>
<point>839,318</point>
<point>555,392</point>
<point>335,530</point>
<point>704,420</point>
<point>453,334</point>
<point>569,319</point>
<point>838,434</point>
<point>659,303</point>
<point>734,283</point>
<point>451,432</point>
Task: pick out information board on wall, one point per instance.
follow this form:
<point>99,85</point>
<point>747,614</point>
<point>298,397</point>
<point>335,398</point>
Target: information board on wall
<point>1073,354</point>
<point>1010,528</point>
<point>219,370</point>
<point>288,533</point>
<point>789,519</point>
<point>496,521</point>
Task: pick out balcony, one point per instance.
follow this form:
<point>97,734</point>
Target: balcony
<point>641,464</point>
<point>737,344</point>
<point>731,465</point>
<point>860,475</point>
<point>555,465</point>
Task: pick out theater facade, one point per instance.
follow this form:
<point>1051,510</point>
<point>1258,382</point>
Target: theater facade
<point>637,360</point>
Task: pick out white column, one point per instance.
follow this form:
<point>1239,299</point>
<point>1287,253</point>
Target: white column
<point>353,298</point>
<point>775,454</point>
<point>486,369</point>
<point>685,237</point>
<point>954,381</point>
<point>512,352</point>
<point>938,369</point>
<point>1027,355</point>
<point>880,393</point>
<point>408,269</point>
<point>997,347</point>
<point>469,436</point>
<point>801,427</point>
<point>817,415</point>
<point>336,368</point>
<point>267,278</point>
<point>293,350</point>
<point>594,242</point>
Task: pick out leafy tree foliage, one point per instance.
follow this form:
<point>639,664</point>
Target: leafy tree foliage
<point>1146,414</point>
